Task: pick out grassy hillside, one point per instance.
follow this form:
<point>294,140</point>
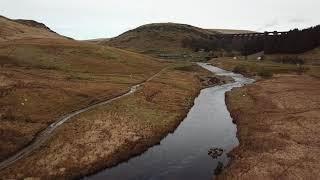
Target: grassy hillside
<point>161,40</point>
<point>265,69</point>
<point>18,29</point>
<point>166,40</point>
<point>309,57</point>
<point>110,134</point>
<point>44,75</point>
<point>231,31</point>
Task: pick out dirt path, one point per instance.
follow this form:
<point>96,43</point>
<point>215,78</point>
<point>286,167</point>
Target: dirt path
<point>48,132</point>
<point>278,124</point>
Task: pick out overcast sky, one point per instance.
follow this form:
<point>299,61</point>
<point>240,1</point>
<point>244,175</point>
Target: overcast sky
<point>87,19</point>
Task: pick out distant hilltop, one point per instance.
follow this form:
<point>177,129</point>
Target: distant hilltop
<point>11,29</point>
<point>232,31</point>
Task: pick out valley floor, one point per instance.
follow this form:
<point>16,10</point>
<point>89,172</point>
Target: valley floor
<point>110,134</point>
<point>278,125</point>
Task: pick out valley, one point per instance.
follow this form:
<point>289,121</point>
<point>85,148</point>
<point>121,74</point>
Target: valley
<point>71,109</point>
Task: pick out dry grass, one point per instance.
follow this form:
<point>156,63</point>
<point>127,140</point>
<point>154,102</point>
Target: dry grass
<point>42,79</point>
<point>278,121</point>
<point>311,57</point>
<point>232,31</point>
<point>11,29</point>
<point>106,135</point>
<point>254,68</point>
<point>161,40</point>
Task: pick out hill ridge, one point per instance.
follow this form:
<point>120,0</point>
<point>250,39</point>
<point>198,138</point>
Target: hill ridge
<point>11,29</point>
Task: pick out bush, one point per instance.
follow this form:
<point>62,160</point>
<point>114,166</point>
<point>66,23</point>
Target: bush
<point>4,60</point>
<point>241,69</point>
<point>265,73</point>
<point>291,60</point>
<point>185,68</point>
<point>301,69</point>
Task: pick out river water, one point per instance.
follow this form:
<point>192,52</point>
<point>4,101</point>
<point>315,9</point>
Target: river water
<point>184,154</point>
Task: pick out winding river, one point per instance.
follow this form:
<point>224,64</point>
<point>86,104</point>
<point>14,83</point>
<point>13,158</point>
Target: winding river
<point>184,154</point>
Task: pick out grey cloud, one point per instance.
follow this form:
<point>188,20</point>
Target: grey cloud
<point>270,24</point>
<point>298,20</point>
<point>83,19</point>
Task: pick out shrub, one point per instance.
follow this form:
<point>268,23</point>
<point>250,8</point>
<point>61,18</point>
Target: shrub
<point>4,60</point>
<point>291,60</point>
<point>301,69</point>
<point>241,69</point>
<point>185,68</point>
<point>265,73</point>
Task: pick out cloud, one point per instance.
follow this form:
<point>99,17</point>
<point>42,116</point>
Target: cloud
<point>298,20</point>
<point>269,25</point>
<point>272,24</point>
<point>83,19</point>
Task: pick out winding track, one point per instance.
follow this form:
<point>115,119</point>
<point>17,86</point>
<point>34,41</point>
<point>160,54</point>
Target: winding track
<point>45,135</point>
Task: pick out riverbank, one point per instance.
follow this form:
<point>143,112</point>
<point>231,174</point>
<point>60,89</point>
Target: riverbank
<point>264,69</point>
<point>278,123</point>
<point>188,152</point>
<point>105,136</point>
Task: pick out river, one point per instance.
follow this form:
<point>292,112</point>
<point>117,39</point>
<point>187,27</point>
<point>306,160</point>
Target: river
<point>184,153</point>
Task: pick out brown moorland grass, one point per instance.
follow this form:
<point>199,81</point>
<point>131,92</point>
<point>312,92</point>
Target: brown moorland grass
<point>232,31</point>
<point>166,37</point>
<point>163,40</point>
<point>107,135</point>
<point>278,123</point>
<point>19,29</point>
<point>42,79</point>
<point>254,67</point>
<point>309,57</point>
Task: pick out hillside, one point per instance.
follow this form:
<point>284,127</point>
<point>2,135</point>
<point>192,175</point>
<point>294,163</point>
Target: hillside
<point>44,75</point>
<point>168,40</point>
<point>231,31</point>
<point>160,39</point>
<point>43,79</point>
<point>308,57</point>
<point>312,55</point>
<point>17,29</point>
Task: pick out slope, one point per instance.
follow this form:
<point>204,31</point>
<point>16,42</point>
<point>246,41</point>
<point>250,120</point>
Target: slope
<point>18,29</point>
<point>44,75</point>
<point>160,39</point>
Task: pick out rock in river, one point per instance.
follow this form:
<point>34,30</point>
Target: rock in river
<point>215,152</point>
